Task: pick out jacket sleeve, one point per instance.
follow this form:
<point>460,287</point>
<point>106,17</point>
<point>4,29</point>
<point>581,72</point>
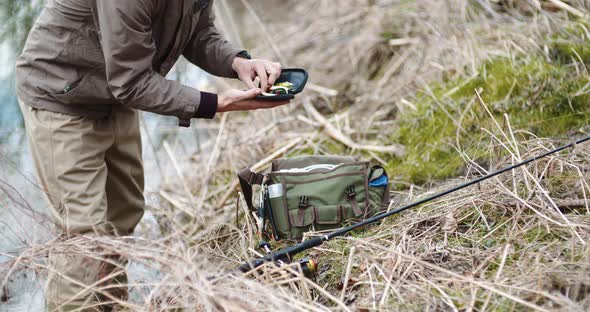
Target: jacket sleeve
<point>128,47</point>
<point>208,49</point>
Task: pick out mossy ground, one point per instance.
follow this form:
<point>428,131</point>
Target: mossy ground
<point>544,94</point>
<point>494,240</point>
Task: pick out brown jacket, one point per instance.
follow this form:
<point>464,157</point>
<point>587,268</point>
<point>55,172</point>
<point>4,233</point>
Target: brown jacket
<point>84,56</point>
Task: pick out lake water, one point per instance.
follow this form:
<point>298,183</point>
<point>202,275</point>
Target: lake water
<point>22,204</point>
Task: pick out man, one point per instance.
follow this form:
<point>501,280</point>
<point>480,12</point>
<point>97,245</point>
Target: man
<point>87,68</point>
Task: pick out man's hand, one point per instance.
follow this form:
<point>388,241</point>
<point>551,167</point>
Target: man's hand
<point>236,100</point>
<point>248,70</point>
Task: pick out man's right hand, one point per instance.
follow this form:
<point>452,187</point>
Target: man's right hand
<point>237,100</point>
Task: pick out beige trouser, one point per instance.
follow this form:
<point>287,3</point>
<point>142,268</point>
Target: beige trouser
<point>92,173</point>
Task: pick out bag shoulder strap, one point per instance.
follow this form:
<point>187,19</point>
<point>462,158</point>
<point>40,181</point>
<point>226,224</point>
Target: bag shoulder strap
<point>248,178</point>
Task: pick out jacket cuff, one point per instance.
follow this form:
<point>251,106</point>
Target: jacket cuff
<point>244,54</point>
<point>229,60</point>
<point>208,106</point>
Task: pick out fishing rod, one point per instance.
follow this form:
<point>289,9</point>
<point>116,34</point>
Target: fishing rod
<point>285,255</point>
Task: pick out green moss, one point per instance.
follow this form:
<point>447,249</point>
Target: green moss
<point>571,44</point>
<point>538,235</point>
<point>538,96</point>
<point>541,96</point>
<point>331,267</point>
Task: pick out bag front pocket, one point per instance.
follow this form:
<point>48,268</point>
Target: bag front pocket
<point>302,217</point>
<point>301,220</point>
<point>329,199</point>
<point>317,218</point>
<point>318,200</point>
<point>328,215</point>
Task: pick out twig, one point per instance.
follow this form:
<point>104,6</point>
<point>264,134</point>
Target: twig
<point>395,64</point>
<point>403,41</point>
<point>397,149</point>
<point>566,7</point>
<point>347,274</point>
<point>180,174</point>
<point>265,31</point>
<point>213,157</point>
<point>322,90</point>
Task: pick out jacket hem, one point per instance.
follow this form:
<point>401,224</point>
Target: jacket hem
<point>96,112</point>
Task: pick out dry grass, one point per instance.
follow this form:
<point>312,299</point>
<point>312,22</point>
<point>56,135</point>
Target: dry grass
<point>506,244</point>
<point>517,242</point>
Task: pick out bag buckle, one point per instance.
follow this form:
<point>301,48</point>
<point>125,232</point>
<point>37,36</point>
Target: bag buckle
<point>351,192</point>
<point>303,202</point>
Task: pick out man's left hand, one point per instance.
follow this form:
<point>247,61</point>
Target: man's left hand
<point>248,70</point>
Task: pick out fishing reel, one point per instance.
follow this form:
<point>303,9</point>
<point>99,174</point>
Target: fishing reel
<point>307,266</point>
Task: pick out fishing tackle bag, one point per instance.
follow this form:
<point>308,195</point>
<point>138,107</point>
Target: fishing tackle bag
<point>315,193</point>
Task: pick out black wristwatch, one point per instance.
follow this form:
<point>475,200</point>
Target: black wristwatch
<point>244,54</point>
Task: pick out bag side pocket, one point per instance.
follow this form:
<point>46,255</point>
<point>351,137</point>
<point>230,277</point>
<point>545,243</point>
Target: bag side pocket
<point>278,211</point>
<point>378,185</point>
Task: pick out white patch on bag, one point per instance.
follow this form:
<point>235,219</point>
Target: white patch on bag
<point>309,168</point>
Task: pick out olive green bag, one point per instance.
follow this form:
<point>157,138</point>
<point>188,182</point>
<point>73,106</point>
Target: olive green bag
<point>316,193</point>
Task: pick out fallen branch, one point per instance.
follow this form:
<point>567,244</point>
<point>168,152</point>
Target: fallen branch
<point>322,90</point>
<point>403,41</point>
<point>566,7</point>
<point>396,149</point>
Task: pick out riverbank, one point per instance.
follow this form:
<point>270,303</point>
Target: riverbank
<point>391,73</point>
<point>399,76</point>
